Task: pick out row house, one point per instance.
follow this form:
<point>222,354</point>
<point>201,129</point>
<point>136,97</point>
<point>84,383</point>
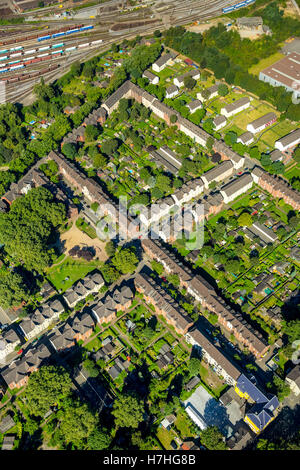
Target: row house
<point>218,173</point>
<point>212,204</point>
<point>237,187</point>
<point>213,356</point>
<point>163,303</point>
<point>288,141</point>
<point>98,116</point>
<point>9,340</point>
<point>84,287</point>
<point>194,105</point>
<point>112,101</point>
<point>153,79</point>
<point>188,191</point>
<point>236,107</point>
<point>79,328</point>
<point>32,179</point>
<point>16,375</point>
<point>261,123</point>
<point>190,129</point>
<point>119,300</point>
<point>78,180</point>
<point>205,294</point>
<point>43,317</point>
<point>277,187</point>
<point>211,92</point>
<point>228,154</point>
<point>162,62</point>
<point>246,138</point>
<point>234,323</point>
<point>179,81</point>
<point>150,216</point>
<point>35,178</point>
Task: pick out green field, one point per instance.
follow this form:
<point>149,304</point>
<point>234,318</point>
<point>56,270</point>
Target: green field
<point>274,133</point>
<point>295,171</point>
<point>264,63</point>
<point>72,269</point>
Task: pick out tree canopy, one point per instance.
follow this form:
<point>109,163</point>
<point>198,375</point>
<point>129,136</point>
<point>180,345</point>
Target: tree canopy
<point>128,411</point>
<point>27,228</point>
<point>46,387</point>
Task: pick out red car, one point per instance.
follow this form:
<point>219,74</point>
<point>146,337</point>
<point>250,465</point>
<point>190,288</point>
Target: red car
<point>164,279</point>
<point>20,351</point>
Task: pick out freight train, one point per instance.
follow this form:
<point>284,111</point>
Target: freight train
<point>237,6</point>
<point>65,30</point>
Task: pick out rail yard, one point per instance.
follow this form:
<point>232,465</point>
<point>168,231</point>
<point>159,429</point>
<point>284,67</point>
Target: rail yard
<point>48,49</point>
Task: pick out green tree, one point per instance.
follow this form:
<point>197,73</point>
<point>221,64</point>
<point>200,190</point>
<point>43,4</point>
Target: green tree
<point>91,367</point>
<point>77,422</point>
<point>69,150</point>
<point>125,260</point>
<point>194,366</point>
<point>46,387</point>
<point>245,219</point>
<point>189,82</point>
<point>157,267</point>
<point>128,411</point>
<point>110,248</point>
<point>99,439</point>
<point>212,438</point>
<point>13,289</point>
<point>223,89</point>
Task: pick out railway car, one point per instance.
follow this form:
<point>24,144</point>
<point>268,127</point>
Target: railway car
<point>45,48</point>
<point>4,57</point>
<point>3,51</point>
<point>57,52</point>
<point>43,38</point>
<point>239,5</point>
<point>86,44</point>
<point>17,54</point>
<point>31,51</point>
<point>71,31</point>
<point>69,49</point>
<point>97,42</point>
<point>4,70</point>
<point>28,61</point>
<point>55,46</point>
<point>19,48</point>
<point>85,28</point>
<point>227,9</point>
<point>43,55</point>
<point>57,35</point>
<point>14,62</point>
<point>16,67</point>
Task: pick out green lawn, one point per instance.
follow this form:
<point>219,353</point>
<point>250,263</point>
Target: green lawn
<point>184,425</point>
<point>72,269</point>
<point>264,63</point>
<point>95,344</point>
<point>165,437</point>
<point>86,228</point>
<point>295,171</point>
<point>275,132</point>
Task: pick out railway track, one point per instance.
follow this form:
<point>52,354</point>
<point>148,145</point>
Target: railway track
<point>178,15</point>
